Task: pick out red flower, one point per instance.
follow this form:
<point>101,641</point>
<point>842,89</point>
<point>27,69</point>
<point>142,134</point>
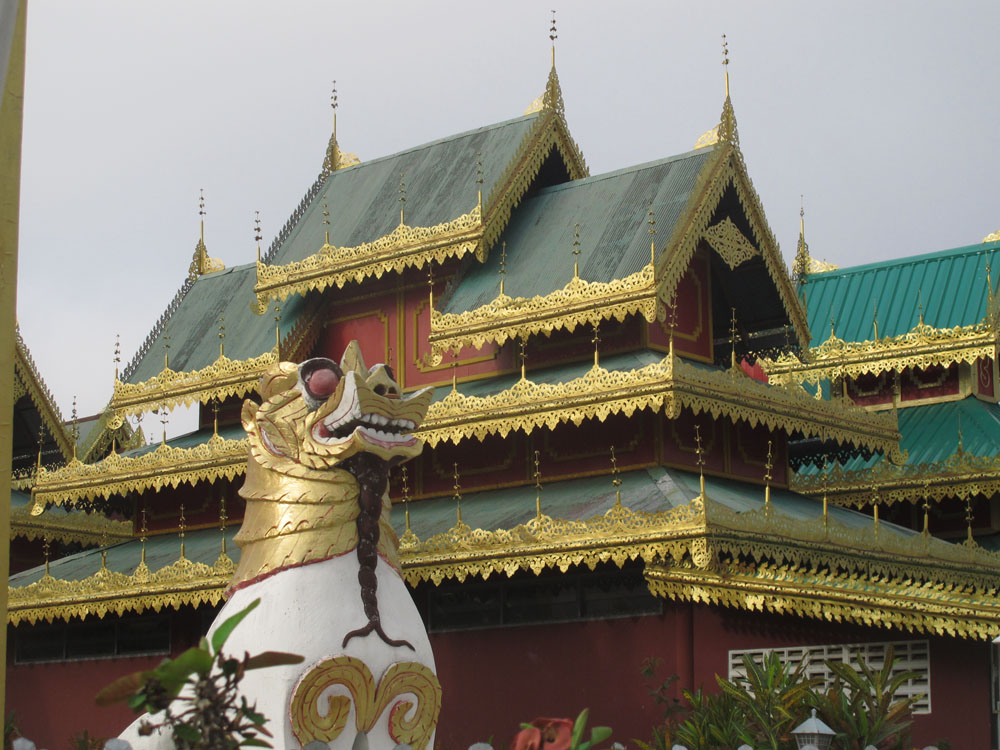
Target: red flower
<point>544,734</point>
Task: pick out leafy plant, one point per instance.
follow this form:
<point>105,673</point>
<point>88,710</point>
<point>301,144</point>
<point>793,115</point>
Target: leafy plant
<point>210,714</point>
<point>713,721</point>
<point>559,734</point>
<point>84,741</point>
<point>672,709</point>
<point>10,730</point>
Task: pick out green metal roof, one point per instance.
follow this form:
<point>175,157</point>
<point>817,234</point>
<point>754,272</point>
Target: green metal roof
<point>191,439</point>
<point>951,285</point>
<point>930,433</point>
<point>611,210</point>
<point>440,183</point>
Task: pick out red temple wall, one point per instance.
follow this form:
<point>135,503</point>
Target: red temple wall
<point>693,330</point>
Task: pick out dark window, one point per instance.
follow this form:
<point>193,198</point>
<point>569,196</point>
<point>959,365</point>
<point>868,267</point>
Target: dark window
<point>92,639</point>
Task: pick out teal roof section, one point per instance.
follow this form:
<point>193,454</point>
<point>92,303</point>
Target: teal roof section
<point>611,210</point>
<point>440,185</point>
<point>193,329</point>
<point>190,439</point>
<point>929,434</point>
<point>951,286</point>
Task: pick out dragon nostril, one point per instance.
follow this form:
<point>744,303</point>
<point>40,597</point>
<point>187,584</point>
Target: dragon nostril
<point>380,389</point>
<point>322,382</point>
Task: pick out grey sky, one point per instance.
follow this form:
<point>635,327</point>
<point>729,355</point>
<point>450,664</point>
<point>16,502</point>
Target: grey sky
<point>884,115</point>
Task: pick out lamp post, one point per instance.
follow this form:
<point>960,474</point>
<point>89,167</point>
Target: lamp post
<point>813,734</point>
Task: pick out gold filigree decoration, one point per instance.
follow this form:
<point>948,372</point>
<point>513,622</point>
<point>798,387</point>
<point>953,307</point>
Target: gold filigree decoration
<point>202,264</point>
<point>815,265</point>
<point>708,138</point>
<point>962,475</point>
<point>535,106</point>
<point>724,168</point>
<point>730,243</point>
<point>75,527</point>
<point>310,723</point>
<point>670,384</point>
<point>404,247</point>
<point>166,466</point>
<point>924,346</point>
<point>184,582</point>
<point>578,303</point>
<point>992,237</point>
<point>108,429</point>
<point>222,379</point>
<point>41,397</point>
<point>20,389</point>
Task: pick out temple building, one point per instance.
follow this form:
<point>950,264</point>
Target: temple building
<point>647,439</point>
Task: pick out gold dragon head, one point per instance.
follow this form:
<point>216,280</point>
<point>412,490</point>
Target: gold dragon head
<point>317,414</point>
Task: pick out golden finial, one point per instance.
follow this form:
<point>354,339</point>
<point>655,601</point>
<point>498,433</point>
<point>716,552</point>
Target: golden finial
<point>104,550</point>
<point>402,196</point>
<point>968,520</point>
<point>406,499</point>
<point>41,444</point>
<point>875,316</point>
<point>164,418</point>
<point>538,487</point>
<point>215,417</point>
<point>576,251</point>
<point>875,504</point>
<point>826,484</point>
<point>479,180</point>
<point>701,462</point>
<point>920,304</point>
<point>74,432</point>
<point>673,321</point>
<point>767,477</point>
<point>960,447</point>
<point>597,339</point>
<point>989,286</point>
<point>617,479</point>
<point>651,221</point>
<point>277,330</point>
<point>927,510</point>
<point>458,492</point>
<point>222,520</point>
<point>257,236</point>
<point>524,354</point>
<point>45,551</point>
<point>201,212</point>
<point>118,353</point>
<point>326,222</point>
<point>166,347</point>
<point>182,525</point>
<point>833,328</point>
<point>430,283</point>
<point>553,36</point>
<point>333,105</point>
<point>732,338</point>
<point>454,370</point>
<point>725,61</point>
<point>503,264</point>
<point>222,335</point>
<point>143,529</point>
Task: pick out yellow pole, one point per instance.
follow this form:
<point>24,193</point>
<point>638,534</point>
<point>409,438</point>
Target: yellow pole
<point>11,109</point>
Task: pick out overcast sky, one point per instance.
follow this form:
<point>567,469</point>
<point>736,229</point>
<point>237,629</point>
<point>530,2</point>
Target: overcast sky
<point>884,115</point>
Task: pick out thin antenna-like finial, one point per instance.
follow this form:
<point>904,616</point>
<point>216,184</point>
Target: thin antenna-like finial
<point>875,316</point>
<point>673,321</point>
<point>701,462</point>
<point>182,525</point>
<point>222,520</point>
<point>406,498</point>
<point>326,222</point>
<point>576,251</point>
<point>454,370</point>
<point>479,181</point>
<point>725,61</point>
<point>257,236</point>
<point>143,531</point>
<point>45,551</point>
<point>222,335</point>
<point>826,484</point>
<point>503,264</point>
<point>402,197</point>
<point>118,353</point>
<point>732,338</point>
<point>75,430</point>
<point>333,105</point>
<point>524,354</point>
<point>920,304</point>
<point>597,340</point>
<point>538,487</point>
<point>457,487</point>
<point>201,212</point>
<point>651,221</point>
<point>961,448</point>
<point>989,287</point>
<point>767,477</point>
<point>104,550</point>
<point>215,417</point>
<point>430,284</point>
<point>617,480</point>
<point>927,510</point>
<point>553,36</point>
<point>277,330</point>
<point>968,520</point>
<point>164,418</point>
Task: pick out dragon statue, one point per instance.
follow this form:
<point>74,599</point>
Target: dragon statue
<point>318,550</point>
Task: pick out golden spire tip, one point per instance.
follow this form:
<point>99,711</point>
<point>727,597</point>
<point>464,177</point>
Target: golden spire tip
<point>725,61</point>
<point>553,36</point>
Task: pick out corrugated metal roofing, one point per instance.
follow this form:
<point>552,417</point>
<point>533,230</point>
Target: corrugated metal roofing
<point>191,439</point>
<point>930,433</point>
<point>611,210</point>
<point>951,285</point>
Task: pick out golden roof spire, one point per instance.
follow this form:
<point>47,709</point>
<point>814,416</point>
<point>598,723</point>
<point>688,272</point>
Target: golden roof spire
<point>74,432</point>
<point>222,520</point>
<point>222,335</point>
<point>617,481</point>
<point>277,330</point>
<point>597,339</point>
<point>331,163</point>
<point>402,196</point>
<point>201,263</point>
<point>538,488</point>
<point>800,266</point>
<point>651,221</point>
<point>727,124</point>
<point>524,354</point>
<point>143,529</point>
<point>201,212</point>
<point>927,510</point>
<point>479,181</point>
<point>576,251</point>
<point>182,525</point>
<point>701,462</point>
<point>458,492</point>
<point>406,499</point>
<point>725,61</point>
<point>326,221</point>
<point>503,264</point>
<point>826,483</point>
<point>45,551</point>
<point>256,232</point>
<point>875,316</point>
<point>968,520</point>
<point>767,478</point>
<point>164,419</point>
<point>553,36</point>
<point>118,353</point>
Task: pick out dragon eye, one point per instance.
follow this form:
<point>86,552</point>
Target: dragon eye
<point>320,377</point>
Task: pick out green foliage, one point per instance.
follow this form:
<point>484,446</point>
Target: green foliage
<point>673,712</point>
<point>10,730</point>
<point>713,721</point>
<point>597,734</point>
<point>83,741</point>
<point>210,714</point>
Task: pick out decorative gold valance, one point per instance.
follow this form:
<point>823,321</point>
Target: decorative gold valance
<point>165,466</point>
<point>924,346</point>
<point>69,528</point>
<point>404,247</point>
<point>220,380</point>
<point>579,302</point>
<point>670,384</point>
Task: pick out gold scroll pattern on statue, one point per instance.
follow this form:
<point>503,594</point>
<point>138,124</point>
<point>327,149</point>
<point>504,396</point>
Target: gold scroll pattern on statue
<point>408,724</point>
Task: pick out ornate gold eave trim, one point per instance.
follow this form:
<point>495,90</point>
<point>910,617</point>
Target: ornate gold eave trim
<point>69,528</point>
<point>579,302</point>
<point>41,397</point>
<point>223,378</point>
<point>924,346</point>
<point>166,466</point>
<point>404,247</point>
<point>961,475</point>
<point>669,384</point>
<point>106,592</point>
